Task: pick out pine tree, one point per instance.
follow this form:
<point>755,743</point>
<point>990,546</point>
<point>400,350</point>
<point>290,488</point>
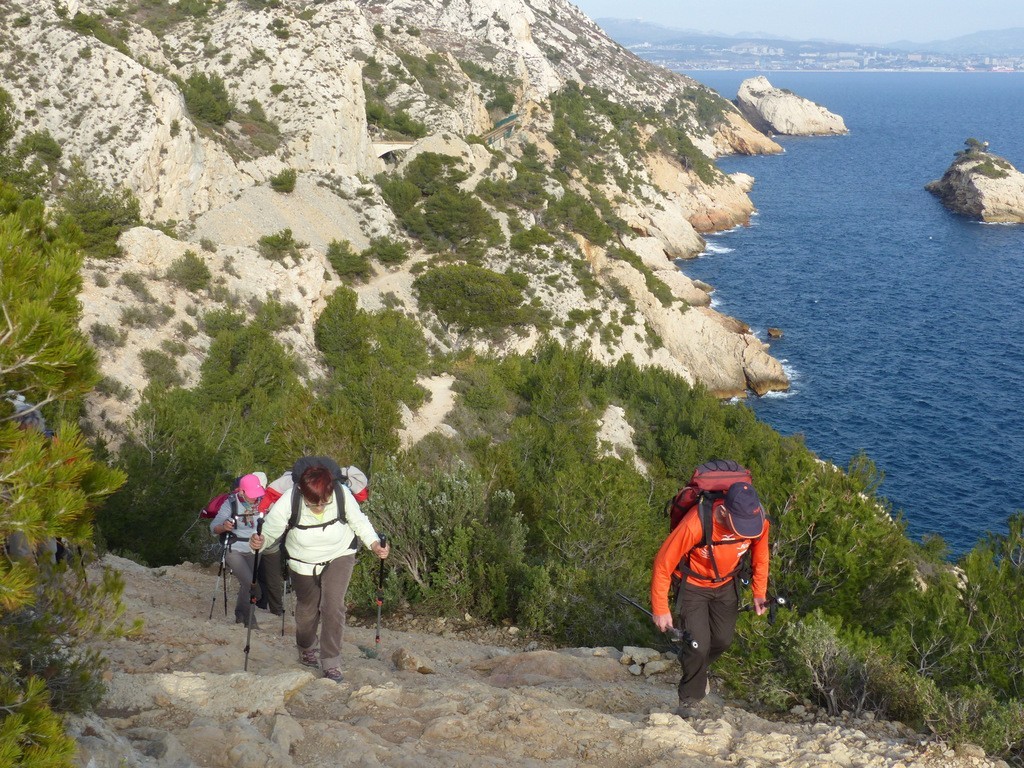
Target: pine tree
<point>49,487</point>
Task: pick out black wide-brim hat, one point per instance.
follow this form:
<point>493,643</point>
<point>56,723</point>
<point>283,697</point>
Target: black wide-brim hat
<point>743,510</point>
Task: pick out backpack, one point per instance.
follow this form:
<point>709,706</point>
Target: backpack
<point>706,490</point>
<point>213,506</point>
<point>350,476</point>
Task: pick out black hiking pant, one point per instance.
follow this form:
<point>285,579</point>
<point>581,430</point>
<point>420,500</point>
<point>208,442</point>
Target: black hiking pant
<point>271,583</point>
<point>709,614</point>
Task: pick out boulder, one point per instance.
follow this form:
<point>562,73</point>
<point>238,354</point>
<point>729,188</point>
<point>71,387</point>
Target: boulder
<point>778,111</point>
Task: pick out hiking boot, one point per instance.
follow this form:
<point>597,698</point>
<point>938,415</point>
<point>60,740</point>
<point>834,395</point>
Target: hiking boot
<point>713,701</point>
<point>333,673</point>
<point>698,710</point>
<point>310,658</point>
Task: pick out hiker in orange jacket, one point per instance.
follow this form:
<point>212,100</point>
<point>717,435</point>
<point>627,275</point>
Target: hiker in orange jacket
<point>707,599</point>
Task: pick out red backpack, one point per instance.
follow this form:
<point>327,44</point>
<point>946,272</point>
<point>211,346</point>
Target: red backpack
<point>213,506</point>
<point>707,487</point>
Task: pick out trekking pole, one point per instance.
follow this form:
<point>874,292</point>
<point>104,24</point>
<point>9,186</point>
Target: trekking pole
<point>774,603</point>
<point>380,591</point>
<point>220,572</point>
<point>253,589</point>
<point>680,636</point>
<point>287,587</point>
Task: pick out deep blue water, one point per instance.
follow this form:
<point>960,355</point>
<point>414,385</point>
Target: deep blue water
<point>903,325</point>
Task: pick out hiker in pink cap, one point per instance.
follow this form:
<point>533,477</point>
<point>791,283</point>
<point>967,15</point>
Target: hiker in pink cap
<point>235,523</point>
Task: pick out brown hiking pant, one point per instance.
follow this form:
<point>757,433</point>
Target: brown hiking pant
<point>709,614</point>
<point>320,602</point>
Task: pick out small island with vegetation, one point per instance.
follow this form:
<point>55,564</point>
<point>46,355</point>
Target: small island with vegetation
<point>981,185</point>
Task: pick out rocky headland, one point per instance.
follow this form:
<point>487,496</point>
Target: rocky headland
<point>435,692</point>
<point>109,90</point>
<point>982,185</point>
<point>779,111</point>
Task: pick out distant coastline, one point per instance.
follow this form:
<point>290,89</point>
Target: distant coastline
<point>998,51</point>
<point>676,67</point>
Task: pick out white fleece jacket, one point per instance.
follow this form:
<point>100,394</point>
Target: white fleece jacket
<point>311,547</point>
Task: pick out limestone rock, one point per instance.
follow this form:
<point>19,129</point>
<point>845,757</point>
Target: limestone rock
<point>776,110</point>
<point>982,186</point>
<point>738,136</point>
<point>407,661</point>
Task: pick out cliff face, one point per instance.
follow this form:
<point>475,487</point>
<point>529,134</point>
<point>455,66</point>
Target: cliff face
<point>777,111</point>
<point>107,83</point>
<point>983,186</point>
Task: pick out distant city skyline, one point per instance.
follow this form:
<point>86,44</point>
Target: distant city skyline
<point>866,21</point>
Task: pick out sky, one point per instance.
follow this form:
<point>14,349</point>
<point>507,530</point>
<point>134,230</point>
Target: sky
<point>861,21</point>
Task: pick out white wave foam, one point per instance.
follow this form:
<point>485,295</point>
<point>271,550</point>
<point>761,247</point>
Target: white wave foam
<point>716,248</point>
<point>793,375</point>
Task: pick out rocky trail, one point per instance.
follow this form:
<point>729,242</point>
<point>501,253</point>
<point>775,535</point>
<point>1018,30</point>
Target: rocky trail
<point>178,697</point>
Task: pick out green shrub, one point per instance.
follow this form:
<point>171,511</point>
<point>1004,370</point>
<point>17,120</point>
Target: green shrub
<point>151,316</point>
<point>991,169</point>
<point>104,335</point>
<point>458,220</point>
<point>114,388</point>
<point>387,251</point>
<point>471,297</point>
<point>279,245</point>
<point>496,88</point>
<point>207,98</point>
<point>189,272</point>
<point>160,368</point>
<point>576,213</point>
<point>135,283</point>
<point>377,114</point>
<point>263,135</point>
<point>99,213</point>
<point>284,181</point>
<point>87,24</point>
<point>654,284</point>
<point>525,241</point>
<point>400,195</point>
<point>431,172</point>
<point>347,263</point>
<point>217,321</point>
<point>274,316</point>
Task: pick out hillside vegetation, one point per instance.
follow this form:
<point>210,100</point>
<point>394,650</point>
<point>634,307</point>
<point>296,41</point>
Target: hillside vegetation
<point>290,291</point>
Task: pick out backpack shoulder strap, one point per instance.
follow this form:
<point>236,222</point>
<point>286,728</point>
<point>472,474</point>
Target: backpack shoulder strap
<point>339,494</point>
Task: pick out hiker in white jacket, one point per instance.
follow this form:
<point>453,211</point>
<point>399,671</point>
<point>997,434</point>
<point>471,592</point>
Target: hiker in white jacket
<point>321,557</point>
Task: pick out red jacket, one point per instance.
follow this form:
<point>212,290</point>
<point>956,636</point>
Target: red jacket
<point>685,537</point>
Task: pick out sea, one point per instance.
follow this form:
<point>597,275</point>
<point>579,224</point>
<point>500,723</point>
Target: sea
<point>903,323</point>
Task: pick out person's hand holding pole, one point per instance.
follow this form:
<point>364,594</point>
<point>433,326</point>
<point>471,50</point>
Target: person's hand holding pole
<point>663,621</point>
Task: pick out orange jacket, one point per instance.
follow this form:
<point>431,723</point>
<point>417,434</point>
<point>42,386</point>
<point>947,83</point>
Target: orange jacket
<point>685,537</point>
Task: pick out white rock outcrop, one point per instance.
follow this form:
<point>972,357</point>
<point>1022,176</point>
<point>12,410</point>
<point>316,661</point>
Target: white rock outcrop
<point>982,186</point>
<point>778,111</point>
